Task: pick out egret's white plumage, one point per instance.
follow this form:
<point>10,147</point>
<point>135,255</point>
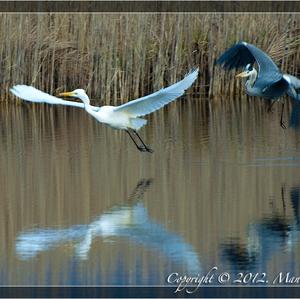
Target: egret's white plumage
<point>31,94</point>
<point>157,100</point>
<point>124,117</point>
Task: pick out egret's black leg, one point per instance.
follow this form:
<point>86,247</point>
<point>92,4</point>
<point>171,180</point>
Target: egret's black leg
<point>141,149</point>
<point>283,126</point>
<point>271,106</point>
<point>148,149</point>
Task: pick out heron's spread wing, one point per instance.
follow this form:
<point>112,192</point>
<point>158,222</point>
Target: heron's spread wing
<point>157,100</point>
<point>267,68</point>
<point>31,94</point>
<point>276,89</point>
<point>242,53</point>
<point>235,57</point>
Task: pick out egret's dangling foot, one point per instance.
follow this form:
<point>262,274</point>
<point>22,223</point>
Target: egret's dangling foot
<point>140,148</point>
<point>147,148</point>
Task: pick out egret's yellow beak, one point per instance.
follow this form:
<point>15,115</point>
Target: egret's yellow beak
<point>242,75</point>
<point>66,94</point>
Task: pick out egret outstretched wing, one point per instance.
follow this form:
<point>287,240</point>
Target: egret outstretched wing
<point>31,94</point>
<point>157,100</point>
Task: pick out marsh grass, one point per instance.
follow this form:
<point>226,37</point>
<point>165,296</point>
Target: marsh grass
<point>118,57</point>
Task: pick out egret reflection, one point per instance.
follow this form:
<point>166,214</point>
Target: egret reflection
<point>130,222</point>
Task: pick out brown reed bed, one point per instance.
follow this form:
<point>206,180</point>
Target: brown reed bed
<point>118,57</point>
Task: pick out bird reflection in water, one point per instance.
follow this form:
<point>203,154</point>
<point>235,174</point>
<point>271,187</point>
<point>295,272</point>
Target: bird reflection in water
<point>266,238</point>
<point>295,115</point>
<point>130,222</point>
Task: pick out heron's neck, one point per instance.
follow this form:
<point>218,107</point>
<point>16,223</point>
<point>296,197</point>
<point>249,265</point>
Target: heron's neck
<point>252,78</point>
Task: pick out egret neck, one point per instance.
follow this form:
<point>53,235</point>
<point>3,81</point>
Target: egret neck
<point>80,94</point>
<point>86,101</point>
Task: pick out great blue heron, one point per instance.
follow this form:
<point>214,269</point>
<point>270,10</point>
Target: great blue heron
<point>269,82</point>
<point>125,117</point>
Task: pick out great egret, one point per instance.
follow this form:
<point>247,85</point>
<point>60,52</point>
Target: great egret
<point>269,82</point>
<point>125,117</point>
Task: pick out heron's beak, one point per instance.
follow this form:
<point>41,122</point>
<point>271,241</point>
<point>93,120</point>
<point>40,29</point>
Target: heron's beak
<point>66,94</point>
<point>242,75</point>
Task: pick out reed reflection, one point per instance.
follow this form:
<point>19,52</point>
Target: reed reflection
<point>130,222</point>
<point>266,237</point>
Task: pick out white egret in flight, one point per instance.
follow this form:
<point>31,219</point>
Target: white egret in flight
<point>125,117</point>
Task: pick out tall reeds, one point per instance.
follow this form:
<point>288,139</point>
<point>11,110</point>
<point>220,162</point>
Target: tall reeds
<point>118,57</point>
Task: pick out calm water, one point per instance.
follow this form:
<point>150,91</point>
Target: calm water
<point>80,205</point>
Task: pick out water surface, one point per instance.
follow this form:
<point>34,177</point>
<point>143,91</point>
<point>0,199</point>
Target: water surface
<point>80,205</point>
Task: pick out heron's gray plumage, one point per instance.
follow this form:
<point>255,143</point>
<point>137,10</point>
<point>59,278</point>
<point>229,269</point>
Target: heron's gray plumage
<point>237,56</point>
<point>269,83</point>
<point>268,70</point>
<point>275,90</point>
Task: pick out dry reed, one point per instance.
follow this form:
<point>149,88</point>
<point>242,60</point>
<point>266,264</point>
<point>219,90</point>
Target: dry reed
<point>117,57</point>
